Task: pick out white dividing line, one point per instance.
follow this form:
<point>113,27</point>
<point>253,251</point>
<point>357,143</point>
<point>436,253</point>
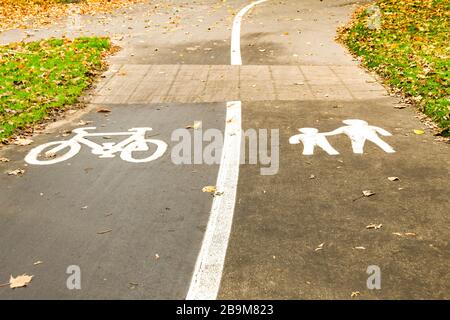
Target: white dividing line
<point>207,275</point>
<point>205,282</point>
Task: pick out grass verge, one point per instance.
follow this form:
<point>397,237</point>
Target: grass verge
<point>410,49</point>
<point>39,78</point>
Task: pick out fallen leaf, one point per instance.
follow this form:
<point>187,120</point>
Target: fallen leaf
<point>157,256</point>
<point>393,178</point>
<point>103,110</point>
<point>399,106</point>
<point>37,263</point>
<point>196,125</point>
<point>407,234</point>
<point>23,142</point>
<point>17,172</point>
<point>83,123</point>
<point>312,176</point>
<point>319,247</point>
<point>104,231</point>
<point>368,193</point>
<point>410,234</point>
<point>374,226</point>
<point>360,248</point>
<point>210,189</point>
<point>4,160</point>
<point>49,155</point>
<point>19,281</point>
<point>418,131</point>
<point>355,294</point>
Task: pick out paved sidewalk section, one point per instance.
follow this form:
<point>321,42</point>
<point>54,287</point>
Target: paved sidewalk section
<point>218,83</point>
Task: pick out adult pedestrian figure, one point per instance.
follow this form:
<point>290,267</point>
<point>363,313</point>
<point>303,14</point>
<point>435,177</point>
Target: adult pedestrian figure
<point>310,137</point>
<point>359,131</point>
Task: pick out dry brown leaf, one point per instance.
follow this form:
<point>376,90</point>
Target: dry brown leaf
<point>196,125</point>
<point>83,123</point>
<point>393,178</point>
<point>410,234</point>
<point>319,247</point>
<point>360,248</point>
<point>104,231</point>
<point>374,226</point>
<point>17,172</point>
<point>19,281</point>
<point>103,110</point>
<point>368,193</point>
<point>23,142</point>
<point>4,159</point>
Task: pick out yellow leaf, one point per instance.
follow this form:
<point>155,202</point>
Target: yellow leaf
<point>210,189</point>
<point>418,131</point>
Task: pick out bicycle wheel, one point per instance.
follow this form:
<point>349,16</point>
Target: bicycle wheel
<point>33,156</point>
<point>127,153</point>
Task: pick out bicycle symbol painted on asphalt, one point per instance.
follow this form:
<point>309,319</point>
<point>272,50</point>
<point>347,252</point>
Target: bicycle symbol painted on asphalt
<point>135,143</point>
<point>359,131</point>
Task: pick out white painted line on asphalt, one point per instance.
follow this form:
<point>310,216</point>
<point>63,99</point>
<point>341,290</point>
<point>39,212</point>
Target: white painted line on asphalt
<point>236,58</point>
<point>205,283</point>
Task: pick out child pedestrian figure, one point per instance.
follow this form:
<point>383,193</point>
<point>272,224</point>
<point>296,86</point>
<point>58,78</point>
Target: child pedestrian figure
<point>310,137</point>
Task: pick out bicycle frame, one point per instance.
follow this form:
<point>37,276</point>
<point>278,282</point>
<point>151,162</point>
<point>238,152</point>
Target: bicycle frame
<point>107,150</point>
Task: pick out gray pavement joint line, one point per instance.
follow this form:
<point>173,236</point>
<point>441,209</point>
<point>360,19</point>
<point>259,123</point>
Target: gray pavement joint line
<point>173,81</point>
<point>343,83</point>
<point>306,82</point>
<point>272,78</point>
<point>207,276</point>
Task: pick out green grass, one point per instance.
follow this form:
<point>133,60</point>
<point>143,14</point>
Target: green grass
<point>41,77</point>
<point>411,51</point>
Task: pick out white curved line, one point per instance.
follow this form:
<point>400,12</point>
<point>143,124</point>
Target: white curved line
<point>205,282</point>
<point>236,58</point>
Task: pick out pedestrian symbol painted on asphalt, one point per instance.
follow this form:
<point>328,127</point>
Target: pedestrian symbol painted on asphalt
<point>359,131</point>
<point>310,137</point>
